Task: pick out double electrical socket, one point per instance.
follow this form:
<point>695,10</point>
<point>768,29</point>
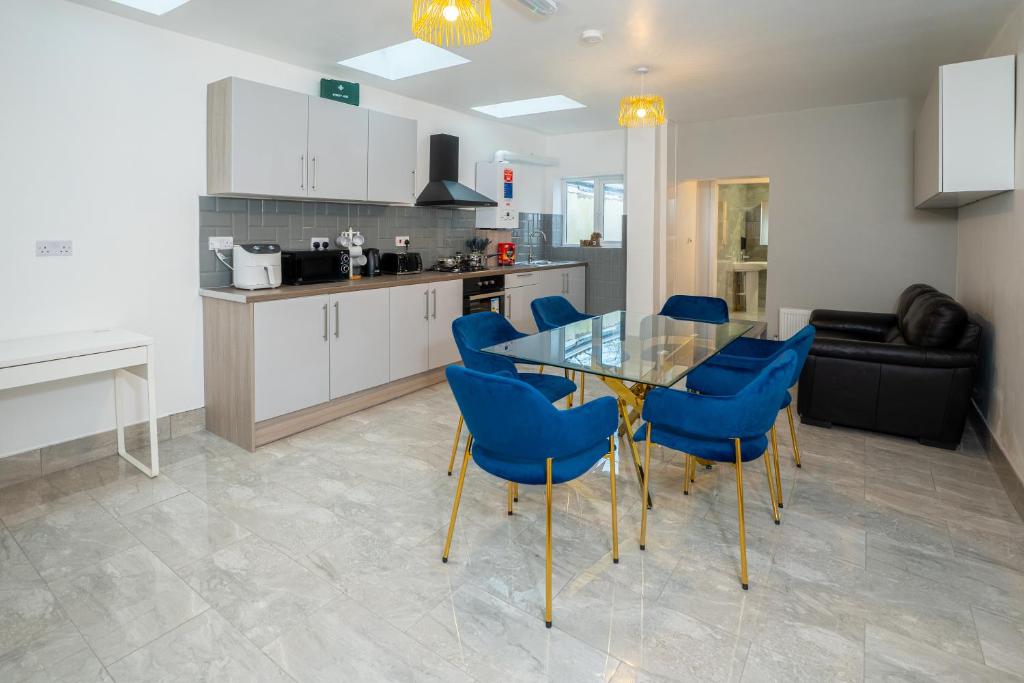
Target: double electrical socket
<point>402,241</point>
<point>53,248</point>
<point>218,243</point>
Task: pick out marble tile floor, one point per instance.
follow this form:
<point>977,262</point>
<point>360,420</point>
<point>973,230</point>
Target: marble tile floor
<point>318,559</point>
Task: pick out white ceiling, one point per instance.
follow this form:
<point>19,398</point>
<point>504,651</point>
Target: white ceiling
<point>709,58</point>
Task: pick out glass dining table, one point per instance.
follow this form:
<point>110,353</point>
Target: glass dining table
<point>630,352</point>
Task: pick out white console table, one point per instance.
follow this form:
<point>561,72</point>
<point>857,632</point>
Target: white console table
<point>34,360</point>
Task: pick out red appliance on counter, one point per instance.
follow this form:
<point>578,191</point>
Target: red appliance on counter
<point>506,253</point>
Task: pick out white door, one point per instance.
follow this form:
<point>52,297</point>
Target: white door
<point>445,307</point>
<point>292,363</point>
<point>408,325</point>
<point>337,150</point>
<point>576,289</point>
<point>391,167</point>
<point>268,140</point>
<point>360,340</point>
<point>517,308</point>
<point>550,283</point>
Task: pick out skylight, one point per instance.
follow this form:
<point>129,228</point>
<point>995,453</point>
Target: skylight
<point>405,59</point>
<point>157,7</point>
<point>536,105</point>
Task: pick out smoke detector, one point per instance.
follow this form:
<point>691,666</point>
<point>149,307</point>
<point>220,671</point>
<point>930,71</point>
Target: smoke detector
<point>545,7</point>
<point>592,36</point>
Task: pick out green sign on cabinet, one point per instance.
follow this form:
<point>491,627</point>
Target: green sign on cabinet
<point>341,91</point>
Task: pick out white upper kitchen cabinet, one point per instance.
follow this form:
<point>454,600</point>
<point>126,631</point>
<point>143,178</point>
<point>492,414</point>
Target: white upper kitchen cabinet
<point>576,287</point>
<point>256,139</point>
<point>360,341</point>
<point>445,307</point>
<point>391,167</point>
<point>292,355</point>
<point>337,150</point>
<point>409,330</point>
<point>964,140</point>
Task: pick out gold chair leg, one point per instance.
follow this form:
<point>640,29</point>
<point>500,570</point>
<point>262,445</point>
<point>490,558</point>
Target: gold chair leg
<point>510,499</point>
<point>643,496</point>
<point>615,512</point>
<point>515,495</point>
<point>744,581</point>
<point>542,369</point>
<point>771,487</point>
<point>547,564</point>
<point>687,463</point>
<point>458,497</point>
<point>792,433</point>
<point>455,446</point>
<point>583,386</point>
<point>778,474</point>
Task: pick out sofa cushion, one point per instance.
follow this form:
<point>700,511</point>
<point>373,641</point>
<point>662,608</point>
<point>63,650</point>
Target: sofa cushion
<point>934,320</point>
<point>908,297</point>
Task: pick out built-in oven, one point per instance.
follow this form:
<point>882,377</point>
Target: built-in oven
<point>484,293</point>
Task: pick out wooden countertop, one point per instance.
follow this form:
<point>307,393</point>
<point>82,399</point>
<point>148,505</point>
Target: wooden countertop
<point>244,296</point>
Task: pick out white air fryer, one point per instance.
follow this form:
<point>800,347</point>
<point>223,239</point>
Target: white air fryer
<point>256,266</point>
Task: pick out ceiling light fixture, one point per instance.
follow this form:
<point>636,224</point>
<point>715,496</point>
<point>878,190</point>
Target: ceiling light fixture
<point>592,36</point>
<point>535,105</point>
<point>406,59</point>
<point>157,7</point>
<point>642,111</point>
<point>452,22</point>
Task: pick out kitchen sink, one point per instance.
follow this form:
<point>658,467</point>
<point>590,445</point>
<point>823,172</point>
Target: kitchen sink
<point>540,262</point>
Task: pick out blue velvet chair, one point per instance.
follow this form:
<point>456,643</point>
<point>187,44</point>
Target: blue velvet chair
<point>725,429</point>
<point>703,309</point>
<point>739,363</point>
<point>551,312</point>
<point>480,330</point>
<point>517,435</point>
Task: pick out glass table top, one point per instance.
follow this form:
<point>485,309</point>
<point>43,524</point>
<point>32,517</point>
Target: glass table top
<point>650,349</point>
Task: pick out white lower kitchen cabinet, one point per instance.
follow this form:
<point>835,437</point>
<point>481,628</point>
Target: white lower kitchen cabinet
<point>292,357</point>
<point>576,287</point>
<point>409,330</point>
<point>517,308</point>
<point>445,307</point>
<point>360,341</point>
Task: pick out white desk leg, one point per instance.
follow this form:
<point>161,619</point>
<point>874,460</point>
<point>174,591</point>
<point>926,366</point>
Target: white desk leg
<point>119,410</point>
<point>154,440</point>
<point>144,372</point>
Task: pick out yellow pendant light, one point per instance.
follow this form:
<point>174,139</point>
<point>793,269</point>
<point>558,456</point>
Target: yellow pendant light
<point>642,111</point>
<point>452,22</point>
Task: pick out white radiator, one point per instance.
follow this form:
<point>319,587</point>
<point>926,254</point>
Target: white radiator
<point>792,320</point>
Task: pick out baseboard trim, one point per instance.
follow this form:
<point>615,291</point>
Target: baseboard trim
<point>1009,478</point>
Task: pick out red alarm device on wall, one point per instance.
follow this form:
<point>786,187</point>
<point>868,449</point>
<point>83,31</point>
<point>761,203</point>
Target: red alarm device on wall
<point>506,253</point>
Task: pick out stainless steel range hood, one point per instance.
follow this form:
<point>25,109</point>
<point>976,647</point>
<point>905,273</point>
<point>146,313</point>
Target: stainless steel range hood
<point>444,189</point>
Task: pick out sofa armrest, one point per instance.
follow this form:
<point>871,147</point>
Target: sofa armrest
<point>892,354</point>
<point>869,326</point>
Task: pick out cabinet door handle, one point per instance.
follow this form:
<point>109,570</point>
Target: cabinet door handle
<point>325,322</point>
<point>434,315</point>
<point>426,304</point>
<point>314,173</point>
<point>508,306</point>
<point>337,320</point>
<point>413,185</point>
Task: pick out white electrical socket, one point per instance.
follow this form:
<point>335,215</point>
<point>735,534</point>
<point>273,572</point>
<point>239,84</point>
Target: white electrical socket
<point>400,241</point>
<point>318,243</point>
<point>53,248</point>
<point>222,243</point>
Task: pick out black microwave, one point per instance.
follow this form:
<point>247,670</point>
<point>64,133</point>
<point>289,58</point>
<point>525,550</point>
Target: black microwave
<point>308,267</point>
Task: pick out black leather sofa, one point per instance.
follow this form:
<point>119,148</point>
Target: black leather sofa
<point>910,373</point>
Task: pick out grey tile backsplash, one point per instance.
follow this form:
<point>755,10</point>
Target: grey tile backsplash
<point>433,233</point>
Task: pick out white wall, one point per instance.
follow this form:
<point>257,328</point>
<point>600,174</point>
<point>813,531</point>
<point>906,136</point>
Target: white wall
<point>583,154</point>
<point>103,126</point>
<point>990,280</point>
<point>844,231</point>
